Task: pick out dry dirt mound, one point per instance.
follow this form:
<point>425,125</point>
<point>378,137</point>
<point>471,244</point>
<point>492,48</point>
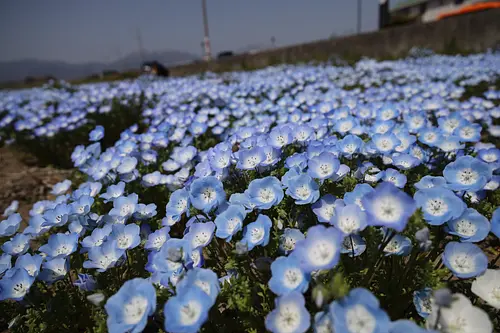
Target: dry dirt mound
<point>25,183</point>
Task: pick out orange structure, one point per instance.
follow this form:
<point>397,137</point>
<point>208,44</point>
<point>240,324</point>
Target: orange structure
<point>471,8</point>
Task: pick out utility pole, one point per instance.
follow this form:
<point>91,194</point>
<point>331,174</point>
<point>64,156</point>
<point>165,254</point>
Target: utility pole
<point>139,41</point>
<point>206,39</point>
<point>359,17</point>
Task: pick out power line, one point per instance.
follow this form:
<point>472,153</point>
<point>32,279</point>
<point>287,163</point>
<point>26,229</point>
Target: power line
<point>206,39</point>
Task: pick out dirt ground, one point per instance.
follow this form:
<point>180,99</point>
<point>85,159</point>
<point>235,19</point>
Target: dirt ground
<point>22,180</point>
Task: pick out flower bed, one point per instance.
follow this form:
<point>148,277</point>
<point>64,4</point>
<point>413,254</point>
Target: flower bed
<point>290,199</point>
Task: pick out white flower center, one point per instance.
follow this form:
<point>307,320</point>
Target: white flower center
<point>466,228</point>
<point>208,194</point>
<point>293,277</point>
<point>359,320</point>
<point>388,209</point>
<point>266,195</point>
<point>436,207</point>
<point>123,241</point>
<point>256,235</point>
<point>134,310</point>
<point>467,176</point>
<point>30,269</point>
<point>19,289</point>
<point>321,253</point>
<point>288,319</point>
<point>303,192</point>
<point>462,263</point>
<point>325,169</point>
<point>348,224</point>
<point>62,250</point>
<point>159,241</point>
<point>190,313</point>
<point>200,239</point>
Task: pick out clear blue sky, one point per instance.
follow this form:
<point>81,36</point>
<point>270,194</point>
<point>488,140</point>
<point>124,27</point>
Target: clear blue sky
<point>103,30</point>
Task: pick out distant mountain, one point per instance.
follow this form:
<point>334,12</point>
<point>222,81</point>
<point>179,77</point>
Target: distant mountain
<point>19,70</point>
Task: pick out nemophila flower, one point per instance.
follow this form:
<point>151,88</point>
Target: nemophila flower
<point>171,166</point>
<point>422,301</point>
<point>430,136</point>
<point>127,165</point>
<point>60,245</point>
<point>157,239</point>
<point>398,245</point>
<point>178,203</point>
<point>303,189</point>
<point>385,143</point>
<point>296,160</point>
<point>104,256</point>
<point>97,133</point>
<point>17,245</point>
<point>204,279</point>
<point>461,316</point>
<point>200,234</point>
<point>31,263</point>
<point>373,175</point>
<point>302,133</point>
<point>12,208</point>
<point>16,285</point>
<point>85,282</point>
<point>61,188</point>
<point>382,127</point>
<point>320,249</point>
<point>495,222</point>
<point>487,287</point>
<point>289,315</point>
<point>272,156</point>
<point>356,196</point>
<point>152,179</point>
<point>257,232</point>
<point>126,236</point>
<point>206,193</point>
<point>249,159</point>
<point>415,121</point>
<point>289,239</point>
<point>388,206</point>
<point>439,205</point>
<point>124,207</point>
<point>464,260</point>
<point>144,212</point>
<point>186,312</point>
<point>405,161</point>
<point>358,312</point>
<point>113,192</point>
<point>353,245</point>
<point>265,192</point>
<point>10,226</point>
<point>279,137</point>
<point>5,262</point>
<point>183,155</point>
<point>323,166</point>
<point>324,208</point>
<point>82,205</point>
<point>287,276</point>
<point>349,219</point>
<point>349,145</point>
<point>57,216</point>
<point>54,269</point>
<point>195,258</point>
<point>96,238</point>
<point>230,221</point>
<point>490,156</point>
<point>467,173</point>
<point>395,177</point>
<point>470,226</point>
<point>172,255</point>
<point>128,310</point>
<point>430,182</point>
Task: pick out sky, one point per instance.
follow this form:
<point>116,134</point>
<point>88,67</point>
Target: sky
<point>79,31</point>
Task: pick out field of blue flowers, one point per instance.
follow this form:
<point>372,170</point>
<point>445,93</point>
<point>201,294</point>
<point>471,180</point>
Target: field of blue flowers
<point>297,198</point>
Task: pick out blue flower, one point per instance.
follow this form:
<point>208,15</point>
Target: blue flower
<point>320,249</point>
<point>5,262</point>
<point>349,219</point>
<point>200,234</point>
<point>230,221</point>
<point>289,239</point>
<point>296,160</point>
<point>303,189</point>
<point>429,182</point>
<point>126,236</point>
<point>124,207</point>
<point>388,206</point>
<point>144,212</point>
<point>17,245</point>
<point>58,216</point>
<point>61,188</point>
<point>467,173</point>
<point>129,308</point>
<point>31,263</point>
<point>157,239</point>
<point>464,260</point>
<point>113,192</point>
<point>290,315</point>
<point>186,312</point>
<point>393,176</point>
<point>97,133</point>
<point>82,205</point>
<point>350,145</point>
<point>207,193</point>
<point>405,161</point>
<point>468,132</point>
<point>399,245</point>
<point>204,279</point>
<point>60,245</point>
<point>85,282</point>
<point>470,226</point>
<point>265,192</point>
<point>54,269</point>
<point>172,256</point>
<point>323,166</point>
<point>104,256</point>
<point>178,203</point>
<point>422,302</point>
<point>258,232</point>
<point>16,285</point>
<point>325,207</point>
<point>96,238</point>
<point>385,143</point>
<point>12,208</point>
<point>356,196</point>
<point>287,276</point>
<point>10,226</point>
<point>439,205</point>
<point>127,165</point>
<point>279,137</point>
<point>360,309</point>
<point>353,245</point>
<point>322,323</point>
<point>495,222</point>
<point>249,159</point>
